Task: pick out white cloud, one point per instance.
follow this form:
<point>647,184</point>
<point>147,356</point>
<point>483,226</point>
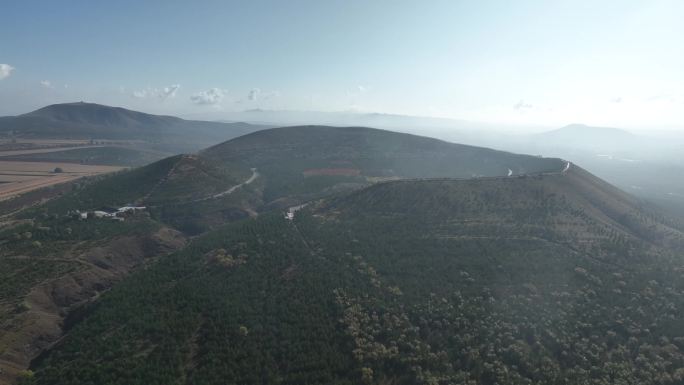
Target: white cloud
<point>157,93</point>
<point>46,84</point>
<point>5,70</point>
<point>170,91</point>
<point>211,96</point>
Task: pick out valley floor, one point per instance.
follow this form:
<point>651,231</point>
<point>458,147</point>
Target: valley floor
<point>20,177</point>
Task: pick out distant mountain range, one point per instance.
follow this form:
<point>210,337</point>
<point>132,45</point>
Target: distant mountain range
<point>341,118</point>
<point>98,122</point>
<point>576,131</point>
<point>641,164</point>
<point>635,162</point>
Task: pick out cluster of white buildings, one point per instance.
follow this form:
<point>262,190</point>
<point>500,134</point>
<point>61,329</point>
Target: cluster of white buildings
<point>290,213</point>
<point>117,215</point>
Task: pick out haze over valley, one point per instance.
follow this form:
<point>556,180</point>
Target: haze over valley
<point>387,192</point>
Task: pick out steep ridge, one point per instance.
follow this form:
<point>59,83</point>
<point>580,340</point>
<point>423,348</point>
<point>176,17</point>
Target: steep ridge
<point>184,191</point>
<point>172,180</point>
<point>531,279</point>
<point>51,267</point>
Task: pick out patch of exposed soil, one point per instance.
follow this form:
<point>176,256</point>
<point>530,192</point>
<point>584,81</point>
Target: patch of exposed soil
<point>42,323</point>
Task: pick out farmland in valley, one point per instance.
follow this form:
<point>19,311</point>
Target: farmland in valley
<point>30,164</point>
<point>20,177</point>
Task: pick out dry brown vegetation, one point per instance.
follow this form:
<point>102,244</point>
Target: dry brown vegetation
<point>21,177</point>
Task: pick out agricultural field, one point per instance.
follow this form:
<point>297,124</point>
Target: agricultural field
<point>41,150</point>
<point>32,144</point>
<point>30,164</point>
<point>18,177</point>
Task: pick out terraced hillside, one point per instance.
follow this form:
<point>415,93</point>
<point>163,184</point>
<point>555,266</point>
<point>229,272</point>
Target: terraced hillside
<point>557,278</point>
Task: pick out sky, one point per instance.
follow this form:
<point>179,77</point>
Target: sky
<point>611,63</point>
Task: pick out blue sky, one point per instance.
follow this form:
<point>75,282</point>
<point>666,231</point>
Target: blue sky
<point>518,62</point>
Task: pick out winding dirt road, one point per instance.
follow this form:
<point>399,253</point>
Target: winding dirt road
<point>255,175</point>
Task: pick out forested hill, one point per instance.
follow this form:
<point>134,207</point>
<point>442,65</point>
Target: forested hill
<point>516,201</point>
<point>188,192</point>
<point>95,121</point>
<point>543,279</point>
<point>288,166</point>
<point>308,160</point>
<point>374,152</point>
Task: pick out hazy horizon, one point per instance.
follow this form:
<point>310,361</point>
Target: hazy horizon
<point>527,64</point>
<point>341,192</point>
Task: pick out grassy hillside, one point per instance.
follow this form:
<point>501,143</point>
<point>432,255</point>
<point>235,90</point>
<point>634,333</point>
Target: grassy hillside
<point>546,279</point>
